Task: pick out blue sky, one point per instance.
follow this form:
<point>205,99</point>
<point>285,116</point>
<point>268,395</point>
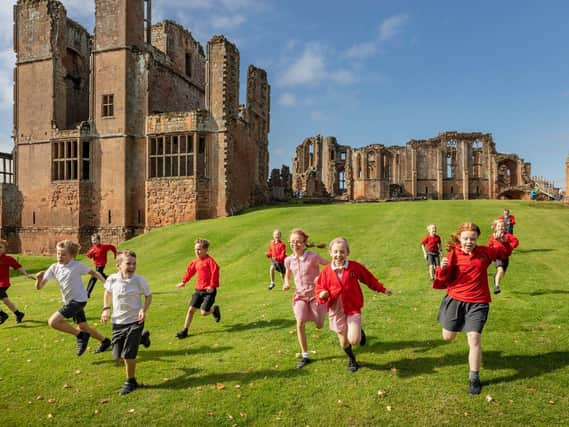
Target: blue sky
<point>385,71</point>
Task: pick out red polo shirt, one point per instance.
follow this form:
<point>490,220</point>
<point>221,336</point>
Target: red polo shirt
<point>277,251</point>
<point>207,271</point>
<point>433,243</point>
<point>99,254</point>
<point>5,263</point>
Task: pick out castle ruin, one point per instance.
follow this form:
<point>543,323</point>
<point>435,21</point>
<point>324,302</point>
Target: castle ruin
<point>131,128</point>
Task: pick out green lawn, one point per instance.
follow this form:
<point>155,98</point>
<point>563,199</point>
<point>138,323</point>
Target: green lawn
<point>242,370</point>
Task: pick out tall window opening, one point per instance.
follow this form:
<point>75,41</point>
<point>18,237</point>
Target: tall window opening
<point>171,155</point>
<point>70,160</point>
<point>188,65</point>
<point>108,106</point>
<point>342,181</point>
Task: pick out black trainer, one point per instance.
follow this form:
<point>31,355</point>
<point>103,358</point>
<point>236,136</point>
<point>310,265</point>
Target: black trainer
<point>82,341</point>
<point>105,344</point>
<point>128,386</point>
<point>145,339</point>
<point>353,365</point>
<point>363,339</point>
<point>20,317</point>
<point>497,290</point>
<point>475,386</point>
<point>216,313</point>
<point>303,362</point>
<point>182,334</point>
<point>271,286</point>
<point>3,317</point>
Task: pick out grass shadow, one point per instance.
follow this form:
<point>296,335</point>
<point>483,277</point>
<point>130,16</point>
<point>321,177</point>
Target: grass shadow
<point>529,251</point>
<point>28,324</point>
<point>189,378</point>
<point>544,292</point>
<point>164,355</point>
<point>383,346</point>
<point>273,324</point>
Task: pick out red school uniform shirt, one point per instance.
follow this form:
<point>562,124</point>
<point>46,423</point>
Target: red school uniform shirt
<point>433,243</point>
<point>348,288</point>
<point>466,276</point>
<point>6,262</point>
<point>207,271</point>
<point>512,240</point>
<point>277,251</point>
<point>511,219</point>
<point>99,254</point>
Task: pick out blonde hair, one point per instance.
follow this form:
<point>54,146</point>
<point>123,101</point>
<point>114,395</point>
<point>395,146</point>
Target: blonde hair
<point>431,226</point>
<point>455,238</point>
<point>496,222</point>
<point>342,240</point>
<point>124,254</point>
<point>69,246</point>
<point>204,244</point>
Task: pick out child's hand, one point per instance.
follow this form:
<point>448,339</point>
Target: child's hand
<point>209,290</point>
<point>323,295</point>
<point>499,235</point>
<point>388,292</point>
<point>180,285</point>
<point>141,316</point>
<point>286,286</point>
<point>105,316</point>
<point>39,276</point>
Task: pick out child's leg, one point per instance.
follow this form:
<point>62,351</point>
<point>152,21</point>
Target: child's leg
<point>499,275</point>
<point>91,286</point>
<point>432,271</point>
<point>189,317</point>
<point>475,350</point>
<point>354,333</point>
<point>449,335</point>
<point>301,335</point>
<point>57,321</point>
<point>9,304</point>
<point>85,327</point>
<point>130,367</point>
<point>272,273</point>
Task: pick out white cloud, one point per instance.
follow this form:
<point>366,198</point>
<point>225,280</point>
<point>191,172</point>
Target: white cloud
<point>227,22</point>
<point>343,77</point>
<point>287,99</point>
<point>309,68</point>
<point>361,50</point>
<point>391,27</point>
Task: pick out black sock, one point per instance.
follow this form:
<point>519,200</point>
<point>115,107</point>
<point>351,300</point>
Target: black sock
<point>473,375</point>
<point>350,353</point>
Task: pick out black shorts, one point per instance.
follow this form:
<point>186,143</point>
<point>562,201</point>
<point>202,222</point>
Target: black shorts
<point>502,263</point>
<point>203,300</point>
<point>279,266</point>
<point>126,339</point>
<point>3,293</point>
<point>433,258</point>
<point>75,311</point>
<point>459,316</point>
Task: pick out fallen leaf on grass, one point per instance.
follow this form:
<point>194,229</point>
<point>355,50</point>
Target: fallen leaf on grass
<point>237,386</point>
<point>489,398</point>
<point>394,369</point>
<point>103,401</point>
<point>78,371</point>
<point>388,407</point>
<point>97,411</point>
<point>381,393</point>
<point>209,413</point>
<point>243,414</point>
<point>552,402</point>
<point>532,389</point>
<point>66,386</point>
<point>229,416</point>
<point>510,401</point>
<point>290,332</point>
<point>340,402</point>
<point>39,398</point>
<point>131,411</point>
<point>220,386</point>
<point>49,416</point>
<point>51,400</point>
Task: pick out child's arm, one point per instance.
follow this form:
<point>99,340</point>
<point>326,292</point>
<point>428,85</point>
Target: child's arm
<point>97,275</point>
<point>40,282</point>
<point>23,271</point>
<point>214,280</point>
<point>106,314</point>
<point>113,249</point>
<point>424,251</point>
<point>367,277</point>
<point>142,312</point>
<point>286,281</point>
<point>190,271</point>
<point>90,253</point>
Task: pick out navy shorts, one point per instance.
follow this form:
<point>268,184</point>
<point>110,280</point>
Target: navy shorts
<point>503,263</point>
<point>433,259</point>
<point>126,339</point>
<point>459,316</point>
<point>74,310</point>
<point>3,293</point>
<point>203,300</point>
<point>279,266</point>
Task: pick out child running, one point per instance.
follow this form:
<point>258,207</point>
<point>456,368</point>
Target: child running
<point>431,246</point>
<point>509,220</point>
<point>68,274</point>
<point>277,254</point>
<point>501,264</point>
<point>338,287</point>
<point>305,266</point>
<point>6,262</point>
<point>464,275</point>
<point>98,253</point>
<point>126,289</point>
<point>207,283</point>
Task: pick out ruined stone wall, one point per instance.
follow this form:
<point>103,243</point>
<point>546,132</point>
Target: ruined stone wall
<point>170,201</point>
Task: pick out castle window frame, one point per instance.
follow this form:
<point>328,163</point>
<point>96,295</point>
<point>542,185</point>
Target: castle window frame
<point>188,65</point>
<point>70,160</point>
<point>171,156</point>
<point>108,105</point>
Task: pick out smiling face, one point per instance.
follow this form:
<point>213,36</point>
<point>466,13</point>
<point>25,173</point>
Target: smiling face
<point>297,243</point>
<point>95,240</point>
<point>468,241</point>
<point>339,253</point>
<point>500,227</point>
<point>276,235</point>
<point>127,266</point>
<point>432,230</point>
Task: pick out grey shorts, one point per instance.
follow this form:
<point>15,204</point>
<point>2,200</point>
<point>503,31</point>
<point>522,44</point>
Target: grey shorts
<point>203,300</point>
<point>433,258</point>
<point>126,339</point>
<point>503,263</point>
<point>459,316</point>
<point>74,310</point>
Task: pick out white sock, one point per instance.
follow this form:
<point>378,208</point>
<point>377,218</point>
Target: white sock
<point>306,355</point>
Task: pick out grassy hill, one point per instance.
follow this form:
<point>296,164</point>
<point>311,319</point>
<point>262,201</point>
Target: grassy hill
<point>241,371</point>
